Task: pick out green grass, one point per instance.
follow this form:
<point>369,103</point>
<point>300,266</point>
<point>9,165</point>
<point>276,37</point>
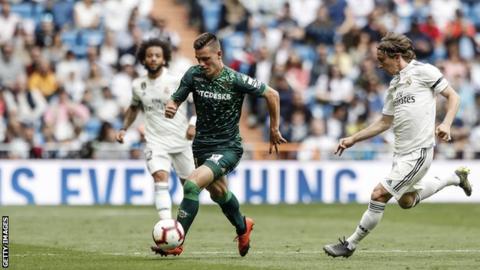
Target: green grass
<point>430,236</point>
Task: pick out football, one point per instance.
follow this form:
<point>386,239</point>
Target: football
<point>168,234</point>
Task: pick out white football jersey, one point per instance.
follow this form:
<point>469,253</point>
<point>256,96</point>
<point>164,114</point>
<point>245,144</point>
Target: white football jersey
<point>411,100</point>
<point>152,95</point>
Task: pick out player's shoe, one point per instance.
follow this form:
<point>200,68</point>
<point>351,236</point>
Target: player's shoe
<point>339,250</point>
<point>462,173</point>
<point>164,253</point>
<point>244,239</point>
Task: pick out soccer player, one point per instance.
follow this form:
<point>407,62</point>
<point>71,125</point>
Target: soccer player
<point>410,109</point>
<point>218,94</point>
<point>168,141</point>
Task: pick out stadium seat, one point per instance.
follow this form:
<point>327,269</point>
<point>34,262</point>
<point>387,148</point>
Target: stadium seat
<point>22,9</point>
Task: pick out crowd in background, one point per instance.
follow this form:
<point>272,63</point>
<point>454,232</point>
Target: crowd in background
<point>321,56</point>
<point>66,68</point>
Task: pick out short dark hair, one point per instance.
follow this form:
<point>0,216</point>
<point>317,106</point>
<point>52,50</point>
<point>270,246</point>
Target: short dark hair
<point>155,42</point>
<point>206,39</point>
<point>392,44</point>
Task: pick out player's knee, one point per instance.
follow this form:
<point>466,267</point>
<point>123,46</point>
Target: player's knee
<point>377,196</point>
<point>217,193</point>
<point>160,177</point>
<point>406,202</point>
<point>191,188</point>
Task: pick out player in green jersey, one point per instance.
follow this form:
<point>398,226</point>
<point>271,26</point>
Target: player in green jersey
<point>218,94</point>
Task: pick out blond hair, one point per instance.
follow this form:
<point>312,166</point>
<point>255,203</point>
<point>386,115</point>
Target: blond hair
<point>393,44</point>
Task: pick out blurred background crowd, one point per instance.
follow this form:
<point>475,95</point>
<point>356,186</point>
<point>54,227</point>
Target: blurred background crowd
<point>66,68</point>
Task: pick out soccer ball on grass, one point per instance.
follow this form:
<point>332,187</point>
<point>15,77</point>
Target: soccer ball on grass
<point>168,234</point>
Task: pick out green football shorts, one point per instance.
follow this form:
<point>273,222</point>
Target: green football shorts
<point>221,162</point>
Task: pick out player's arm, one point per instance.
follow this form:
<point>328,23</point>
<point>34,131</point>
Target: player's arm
<point>453,102</point>
<point>177,98</point>
<point>372,130</point>
<point>273,104</point>
<point>130,116</point>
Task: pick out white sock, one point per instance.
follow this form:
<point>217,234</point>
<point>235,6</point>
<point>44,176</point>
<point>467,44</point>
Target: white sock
<point>369,220</point>
<point>163,202</point>
<point>432,186</point>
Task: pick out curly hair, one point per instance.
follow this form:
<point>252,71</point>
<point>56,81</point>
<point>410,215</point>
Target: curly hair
<point>392,44</point>
<point>155,42</point>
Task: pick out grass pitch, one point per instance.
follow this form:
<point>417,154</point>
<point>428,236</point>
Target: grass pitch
<point>430,236</point>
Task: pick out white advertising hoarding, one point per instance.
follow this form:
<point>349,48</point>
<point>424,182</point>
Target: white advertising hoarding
<point>87,182</point>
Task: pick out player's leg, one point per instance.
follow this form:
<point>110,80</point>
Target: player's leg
<point>163,201</point>
<point>195,182</point>
<point>406,170</point>
<point>158,164</point>
<point>370,218</point>
<point>427,187</point>
<point>231,209</point>
<point>228,203</point>
<point>184,166</point>
<point>183,163</point>
<point>420,188</point>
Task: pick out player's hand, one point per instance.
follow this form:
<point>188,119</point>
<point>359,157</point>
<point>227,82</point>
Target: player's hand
<point>275,139</point>
<point>120,135</point>
<point>443,131</point>
<point>343,144</point>
<point>190,132</point>
<point>171,109</point>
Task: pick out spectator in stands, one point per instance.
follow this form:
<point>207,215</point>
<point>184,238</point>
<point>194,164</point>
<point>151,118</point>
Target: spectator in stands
<point>297,119</point>
<point>10,67</point>
<point>66,66</point>
<point>322,29</point>
<point>109,52</point>
<point>95,82</point>
<point>45,33</point>
<point>108,109</point>
<point>430,28</point>
<point>160,30</point>
<point>63,115</point>
<point>459,26</point>
<point>87,14</point>
<point>317,145</point>
<point>233,17</point>
<point>74,86</point>
<point>93,60</point>
<point>24,105</point>
<point>43,79</point>
<point>122,81</point>
<point>454,65</point>
<point>423,44</point>
<point>8,22</point>
<point>297,76</point>
<point>337,122</point>
<point>303,11</point>
<point>334,88</point>
<point>56,51</point>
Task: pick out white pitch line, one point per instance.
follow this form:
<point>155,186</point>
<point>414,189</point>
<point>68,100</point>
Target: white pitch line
<point>199,253</point>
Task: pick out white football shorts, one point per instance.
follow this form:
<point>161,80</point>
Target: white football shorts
<point>158,159</point>
<point>407,171</point>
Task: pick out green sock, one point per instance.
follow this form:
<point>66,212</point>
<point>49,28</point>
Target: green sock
<point>231,209</point>
<point>189,206</point>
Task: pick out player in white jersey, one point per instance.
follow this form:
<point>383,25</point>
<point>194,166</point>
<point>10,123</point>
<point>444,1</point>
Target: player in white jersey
<point>168,141</point>
<point>410,109</point>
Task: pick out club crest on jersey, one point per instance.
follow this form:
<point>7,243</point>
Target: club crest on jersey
<point>408,81</point>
